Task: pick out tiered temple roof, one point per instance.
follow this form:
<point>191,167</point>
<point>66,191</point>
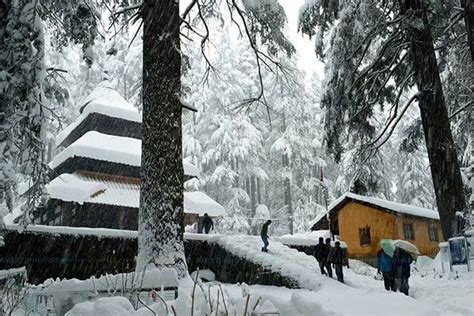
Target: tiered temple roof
<point>98,169</point>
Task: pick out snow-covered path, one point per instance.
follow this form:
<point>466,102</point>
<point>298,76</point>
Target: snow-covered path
<point>360,295</point>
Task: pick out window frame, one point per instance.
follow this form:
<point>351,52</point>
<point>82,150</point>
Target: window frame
<point>365,238</point>
<point>409,234</point>
<point>432,228</point>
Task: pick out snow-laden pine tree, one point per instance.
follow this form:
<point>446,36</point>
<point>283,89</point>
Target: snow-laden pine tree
<point>410,164</point>
<point>282,165</point>
<point>295,147</point>
<point>224,142</point>
<point>377,51</point>
<point>29,93</point>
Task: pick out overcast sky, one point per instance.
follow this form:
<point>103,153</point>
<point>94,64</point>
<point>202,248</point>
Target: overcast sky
<point>304,46</point>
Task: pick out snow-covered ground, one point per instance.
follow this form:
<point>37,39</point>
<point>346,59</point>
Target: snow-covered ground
<point>361,295</point>
<point>431,292</point>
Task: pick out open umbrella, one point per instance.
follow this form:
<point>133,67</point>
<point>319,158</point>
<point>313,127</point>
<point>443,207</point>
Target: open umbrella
<point>387,246</point>
<point>407,246</point>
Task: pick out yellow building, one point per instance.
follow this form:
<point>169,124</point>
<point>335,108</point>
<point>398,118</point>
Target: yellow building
<point>362,222</point>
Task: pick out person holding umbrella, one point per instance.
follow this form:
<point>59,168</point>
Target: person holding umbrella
<point>401,262</point>
<point>384,263</point>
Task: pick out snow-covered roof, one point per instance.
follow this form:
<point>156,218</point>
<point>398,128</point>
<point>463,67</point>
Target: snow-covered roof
<point>106,101</point>
<point>388,205</point>
<point>75,231</point>
<point>85,188</point>
<point>111,148</point>
<point>199,203</point>
<point>318,217</point>
<point>72,188</point>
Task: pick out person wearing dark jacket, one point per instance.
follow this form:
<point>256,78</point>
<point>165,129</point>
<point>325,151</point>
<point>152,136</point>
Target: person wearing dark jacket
<point>264,235</point>
<point>207,223</point>
<point>384,266</point>
<point>321,254</point>
<point>401,262</point>
<point>338,259</point>
<point>327,260</point>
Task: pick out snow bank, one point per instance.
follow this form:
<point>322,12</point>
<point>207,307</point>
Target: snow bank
<point>202,237</point>
<point>280,258</point>
<point>149,279</point>
<point>115,306</point>
<point>204,275</point>
<point>362,268</point>
<point>119,306</point>
<point>389,205</point>
<point>304,239</point>
<point>111,148</point>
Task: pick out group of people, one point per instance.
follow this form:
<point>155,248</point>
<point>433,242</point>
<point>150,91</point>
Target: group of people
<point>395,269</point>
<point>326,255</point>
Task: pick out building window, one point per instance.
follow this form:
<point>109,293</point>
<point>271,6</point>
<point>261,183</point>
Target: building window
<point>364,235</point>
<point>433,232</point>
<point>409,231</point>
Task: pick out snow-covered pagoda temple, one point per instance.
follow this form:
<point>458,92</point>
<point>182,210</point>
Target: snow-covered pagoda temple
<point>96,174</point>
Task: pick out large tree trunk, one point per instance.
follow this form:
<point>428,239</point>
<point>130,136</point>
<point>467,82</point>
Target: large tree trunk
<point>253,203</point>
<point>160,228</point>
<point>441,149</point>
<point>287,184</point>
<point>468,6</point>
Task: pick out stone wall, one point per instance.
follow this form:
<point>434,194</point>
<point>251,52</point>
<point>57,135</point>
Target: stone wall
<point>47,255</point>
<point>229,268</point>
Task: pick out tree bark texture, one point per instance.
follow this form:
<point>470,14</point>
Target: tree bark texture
<point>253,203</point>
<point>468,6</point>
<point>287,194</point>
<point>441,149</point>
<point>161,216</point>
<point>285,159</point>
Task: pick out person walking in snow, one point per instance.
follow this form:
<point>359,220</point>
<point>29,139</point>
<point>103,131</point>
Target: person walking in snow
<point>207,223</point>
<point>264,235</point>
<point>401,262</point>
<point>327,259</point>
<point>384,266</point>
<point>321,254</point>
<point>337,258</point>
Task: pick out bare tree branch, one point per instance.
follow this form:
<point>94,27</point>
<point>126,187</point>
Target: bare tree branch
<point>463,108</point>
<point>373,144</point>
